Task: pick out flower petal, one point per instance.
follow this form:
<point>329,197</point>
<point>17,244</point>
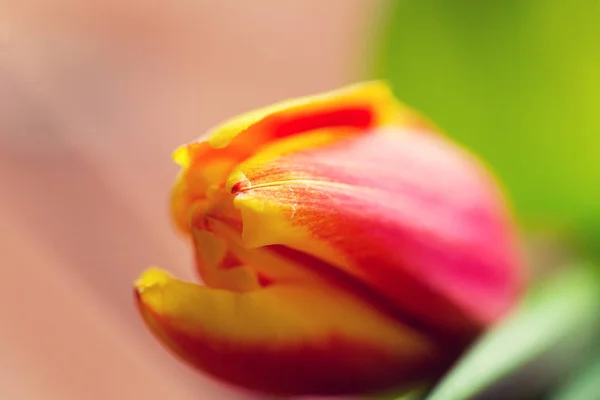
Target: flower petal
<point>285,339</point>
<point>354,108</point>
<point>359,106</point>
<point>407,212</point>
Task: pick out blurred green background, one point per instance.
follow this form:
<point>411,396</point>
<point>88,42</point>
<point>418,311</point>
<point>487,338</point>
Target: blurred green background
<point>518,82</point>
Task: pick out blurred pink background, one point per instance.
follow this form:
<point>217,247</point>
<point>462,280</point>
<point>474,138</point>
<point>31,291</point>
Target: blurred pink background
<point>94,96</point>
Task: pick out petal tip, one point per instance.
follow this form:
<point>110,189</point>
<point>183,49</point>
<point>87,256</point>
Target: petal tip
<point>181,156</point>
<point>151,278</point>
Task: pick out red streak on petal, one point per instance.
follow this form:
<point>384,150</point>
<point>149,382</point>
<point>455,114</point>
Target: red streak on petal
<point>230,261</point>
<point>332,365</point>
<point>263,280</point>
<point>238,187</point>
<point>276,127</point>
<point>357,117</point>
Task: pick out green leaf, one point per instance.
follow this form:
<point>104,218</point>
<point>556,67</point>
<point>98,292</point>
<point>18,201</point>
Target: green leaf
<point>551,331</point>
<point>585,386</point>
<point>517,81</point>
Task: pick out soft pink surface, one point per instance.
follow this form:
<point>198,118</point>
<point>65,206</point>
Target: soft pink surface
<point>94,96</point>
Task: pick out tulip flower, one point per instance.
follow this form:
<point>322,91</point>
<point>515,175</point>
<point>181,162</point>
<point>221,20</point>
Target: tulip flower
<point>345,247</point>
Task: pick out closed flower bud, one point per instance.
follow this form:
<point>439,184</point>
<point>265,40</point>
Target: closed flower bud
<point>345,247</point>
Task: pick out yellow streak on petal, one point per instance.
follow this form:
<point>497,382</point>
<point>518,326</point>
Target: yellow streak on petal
<point>265,222</point>
<point>277,315</point>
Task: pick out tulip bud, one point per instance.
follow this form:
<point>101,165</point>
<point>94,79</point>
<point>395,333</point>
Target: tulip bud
<point>345,246</point>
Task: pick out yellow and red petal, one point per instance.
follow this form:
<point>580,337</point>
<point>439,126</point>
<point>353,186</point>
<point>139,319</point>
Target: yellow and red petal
<point>344,247</point>
<point>351,111</point>
<point>286,339</point>
<point>409,213</point>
